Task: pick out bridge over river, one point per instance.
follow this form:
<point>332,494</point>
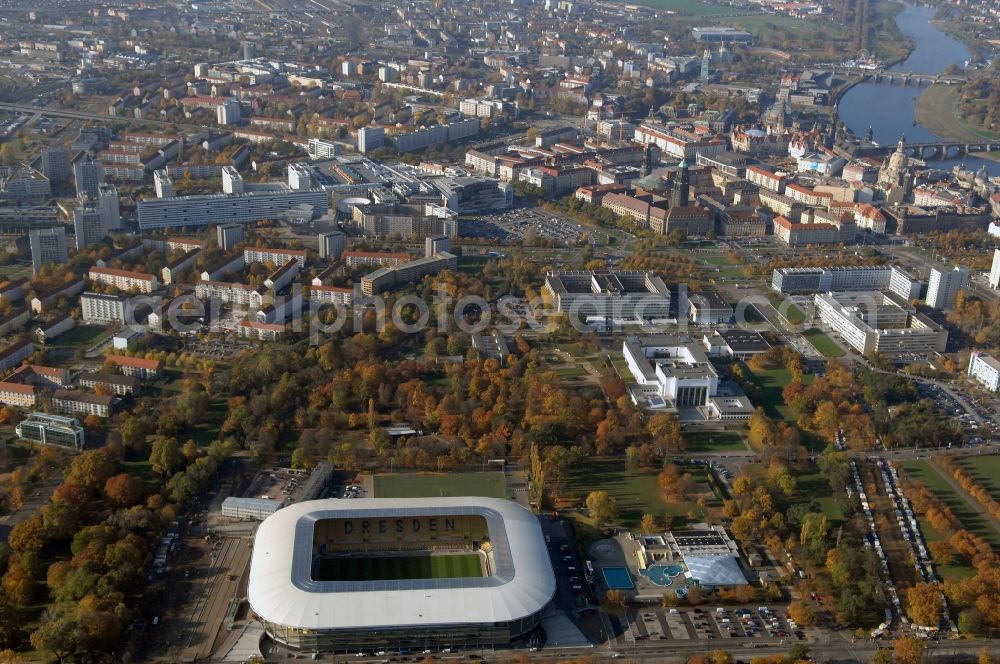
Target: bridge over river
<point>923,151</point>
<point>892,77</point>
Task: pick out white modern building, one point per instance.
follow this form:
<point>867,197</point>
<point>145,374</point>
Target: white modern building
<point>986,369</point>
<point>943,286</point>
<point>995,270</point>
<point>874,322</point>
<point>674,368</point>
<point>793,280</point>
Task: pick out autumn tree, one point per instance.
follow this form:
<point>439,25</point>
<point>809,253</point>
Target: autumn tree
<point>802,612</point>
<point>123,490</point>
<point>648,524</point>
<point>602,507</point>
<point>166,456</point>
<point>615,599</point>
<point>924,604</point>
<point>908,650</point>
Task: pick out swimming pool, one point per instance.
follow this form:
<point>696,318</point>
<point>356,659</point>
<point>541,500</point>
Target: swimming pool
<point>617,578</point>
<point>661,575</point>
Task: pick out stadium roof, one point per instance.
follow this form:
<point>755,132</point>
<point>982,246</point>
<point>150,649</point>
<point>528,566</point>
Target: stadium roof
<point>281,589</point>
<point>715,570</point>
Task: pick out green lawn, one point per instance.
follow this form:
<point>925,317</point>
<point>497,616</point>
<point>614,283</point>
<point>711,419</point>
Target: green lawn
<point>786,308</point>
<point>771,383</point>
<point>82,336</point>
<point>718,441</point>
<point>394,568</point>
<point>431,485</point>
<point>636,493</point>
<point>923,471</point>
<point>985,470</point>
<point>570,372</point>
<point>824,344</point>
<point>472,264</point>
<point>692,7</point>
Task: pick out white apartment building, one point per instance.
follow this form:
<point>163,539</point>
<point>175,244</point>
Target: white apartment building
<point>48,245</point>
<point>322,149</point>
<point>124,280</point>
<point>277,256</point>
<point>103,309</point>
<point>331,295</point>
<point>232,181</point>
<point>943,286</point>
<point>163,185</point>
<point>994,278</point>
<point>370,139</point>
<point>75,402</point>
<point>227,292</point>
<point>985,369</point>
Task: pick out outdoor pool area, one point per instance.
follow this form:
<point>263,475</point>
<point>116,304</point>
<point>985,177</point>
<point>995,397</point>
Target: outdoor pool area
<point>617,578</point>
<point>661,575</point>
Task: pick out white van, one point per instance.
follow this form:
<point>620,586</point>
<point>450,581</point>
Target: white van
<point>674,611</point>
<point>720,610</point>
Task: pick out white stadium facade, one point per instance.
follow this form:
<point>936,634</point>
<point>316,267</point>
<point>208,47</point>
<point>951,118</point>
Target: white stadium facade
<point>300,606</point>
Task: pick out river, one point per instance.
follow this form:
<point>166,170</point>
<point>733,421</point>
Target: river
<point>889,109</point>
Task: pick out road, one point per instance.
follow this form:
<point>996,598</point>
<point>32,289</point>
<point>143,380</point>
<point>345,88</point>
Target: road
<point>80,115</point>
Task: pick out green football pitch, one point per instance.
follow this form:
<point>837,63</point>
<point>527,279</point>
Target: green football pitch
<point>394,568</point>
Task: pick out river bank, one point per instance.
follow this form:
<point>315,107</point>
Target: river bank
<point>937,111</point>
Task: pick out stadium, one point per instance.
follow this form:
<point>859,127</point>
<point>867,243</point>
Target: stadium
<point>373,575</point>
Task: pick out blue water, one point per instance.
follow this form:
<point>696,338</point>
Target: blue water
<point>661,575</point>
<point>890,109</point>
<point>617,578</point>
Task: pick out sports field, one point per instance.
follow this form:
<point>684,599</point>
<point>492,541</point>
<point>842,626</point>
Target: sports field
<point>433,485</point>
<point>395,568</point>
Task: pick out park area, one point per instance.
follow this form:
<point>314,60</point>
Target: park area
<point>433,485</point>
<point>638,492</point>
<point>396,568</point>
<point>823,343</point>
<point>922,470</point>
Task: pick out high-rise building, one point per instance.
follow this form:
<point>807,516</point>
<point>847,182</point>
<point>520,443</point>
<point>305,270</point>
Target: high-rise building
<point>435,244</point>
<point>89,175</point>
<point>943,286</point>
<point>232,181</point>
<point>682,186</point>
<point>229,235</point>
<point>249,50</point>
<point>48,245</point>
<point>331,245</point>
<point>108,205</point>
<point>55,165</point>
<point>87,225</point>
<point>228,112</point>
<point>370,138</point>
<point>300,177</point>
<point>161,181</point>
<point>995,270</point>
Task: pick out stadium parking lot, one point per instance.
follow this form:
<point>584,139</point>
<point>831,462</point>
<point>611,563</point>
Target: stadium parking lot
<point>705,623</point>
